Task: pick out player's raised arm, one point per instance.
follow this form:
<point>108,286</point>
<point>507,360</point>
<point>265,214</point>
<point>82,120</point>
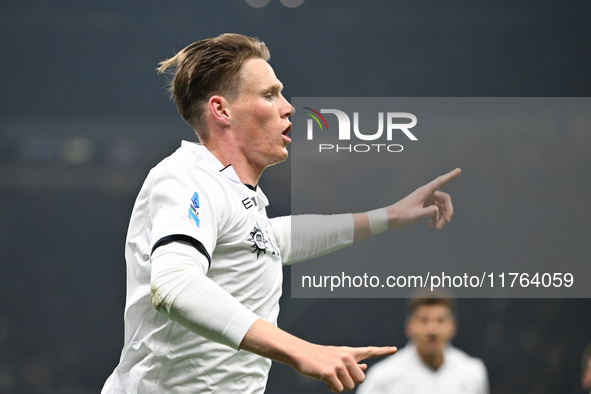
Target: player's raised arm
<point>425,202</point>
<point>338,367</point>
<point>316,235</point>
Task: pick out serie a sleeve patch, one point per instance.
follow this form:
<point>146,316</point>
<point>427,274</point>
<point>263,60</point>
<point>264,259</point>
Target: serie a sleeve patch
<point>194,208</point>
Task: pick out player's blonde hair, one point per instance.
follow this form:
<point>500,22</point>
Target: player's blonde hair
<point>207,67</point>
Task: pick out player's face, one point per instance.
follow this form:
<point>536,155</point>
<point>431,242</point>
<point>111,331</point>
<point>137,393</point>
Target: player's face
<point>431,327</point>
<point>261,115</point>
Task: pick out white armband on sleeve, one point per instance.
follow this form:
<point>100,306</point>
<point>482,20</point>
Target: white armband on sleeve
<point>181,291</point>
<point>315,235</point>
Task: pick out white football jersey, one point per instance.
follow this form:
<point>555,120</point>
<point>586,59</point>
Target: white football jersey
<point>190,196</point>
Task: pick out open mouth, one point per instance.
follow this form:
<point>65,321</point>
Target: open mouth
<point>285,132</point>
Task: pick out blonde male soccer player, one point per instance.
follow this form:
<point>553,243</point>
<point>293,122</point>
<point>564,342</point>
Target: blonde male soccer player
<point>204,263</point>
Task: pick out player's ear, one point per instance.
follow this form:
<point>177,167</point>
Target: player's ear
<point>218,108</point>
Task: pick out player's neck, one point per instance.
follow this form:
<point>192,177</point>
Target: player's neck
<point>247,173</point>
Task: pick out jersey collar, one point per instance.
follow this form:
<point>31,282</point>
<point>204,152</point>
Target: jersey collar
<point>208,159</point>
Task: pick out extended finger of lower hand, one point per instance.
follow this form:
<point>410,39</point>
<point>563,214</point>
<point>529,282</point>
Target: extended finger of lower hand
<point>373,351</point>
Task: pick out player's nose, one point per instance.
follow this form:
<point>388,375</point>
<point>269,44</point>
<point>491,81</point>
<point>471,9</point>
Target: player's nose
<point>287,109</point>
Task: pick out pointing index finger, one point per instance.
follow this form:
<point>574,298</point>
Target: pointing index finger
<point>443,179</point>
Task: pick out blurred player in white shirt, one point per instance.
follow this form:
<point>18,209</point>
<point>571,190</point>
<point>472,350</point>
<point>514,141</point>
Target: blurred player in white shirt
<point>428,364</point>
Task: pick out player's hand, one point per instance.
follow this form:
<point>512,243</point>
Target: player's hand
<point>425,202</point>
<point>338,367</point>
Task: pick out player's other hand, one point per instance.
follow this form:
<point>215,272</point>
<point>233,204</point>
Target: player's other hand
<point>338,367</point>
<point>425,202</point>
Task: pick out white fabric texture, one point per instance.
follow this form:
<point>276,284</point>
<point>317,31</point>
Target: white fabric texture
<point>304,237</point>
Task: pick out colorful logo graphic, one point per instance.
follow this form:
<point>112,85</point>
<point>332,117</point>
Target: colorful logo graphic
<point>315,115</point>
<point>390,126</point>
<point>193,208</point>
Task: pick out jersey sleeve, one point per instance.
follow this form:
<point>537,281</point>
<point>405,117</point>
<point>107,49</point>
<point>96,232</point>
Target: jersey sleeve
<point>180,290</point>
<point>303,237</point>
<point>181,209</point>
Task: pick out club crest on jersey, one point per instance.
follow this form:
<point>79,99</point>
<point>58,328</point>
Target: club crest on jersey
<point>194,208</point>
<point>262,241</point>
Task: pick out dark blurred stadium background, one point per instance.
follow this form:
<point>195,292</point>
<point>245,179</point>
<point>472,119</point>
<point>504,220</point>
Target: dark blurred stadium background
<point>83,117</point>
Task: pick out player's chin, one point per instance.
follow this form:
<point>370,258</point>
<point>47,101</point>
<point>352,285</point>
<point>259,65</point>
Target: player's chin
<point>285,152</point>
<point>280,157</point>
<point>282,152</point>
<point>283,156</point>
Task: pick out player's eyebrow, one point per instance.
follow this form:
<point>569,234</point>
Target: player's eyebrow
<point>278,87</point>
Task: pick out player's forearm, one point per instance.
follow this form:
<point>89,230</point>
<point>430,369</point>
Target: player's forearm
<point>327,363</point>
<point>338,367</point>
<point>303,237</point>
<point>425,202</point>
<point>267,340</point>
<point>371,223</point>
<point>361,226</point>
